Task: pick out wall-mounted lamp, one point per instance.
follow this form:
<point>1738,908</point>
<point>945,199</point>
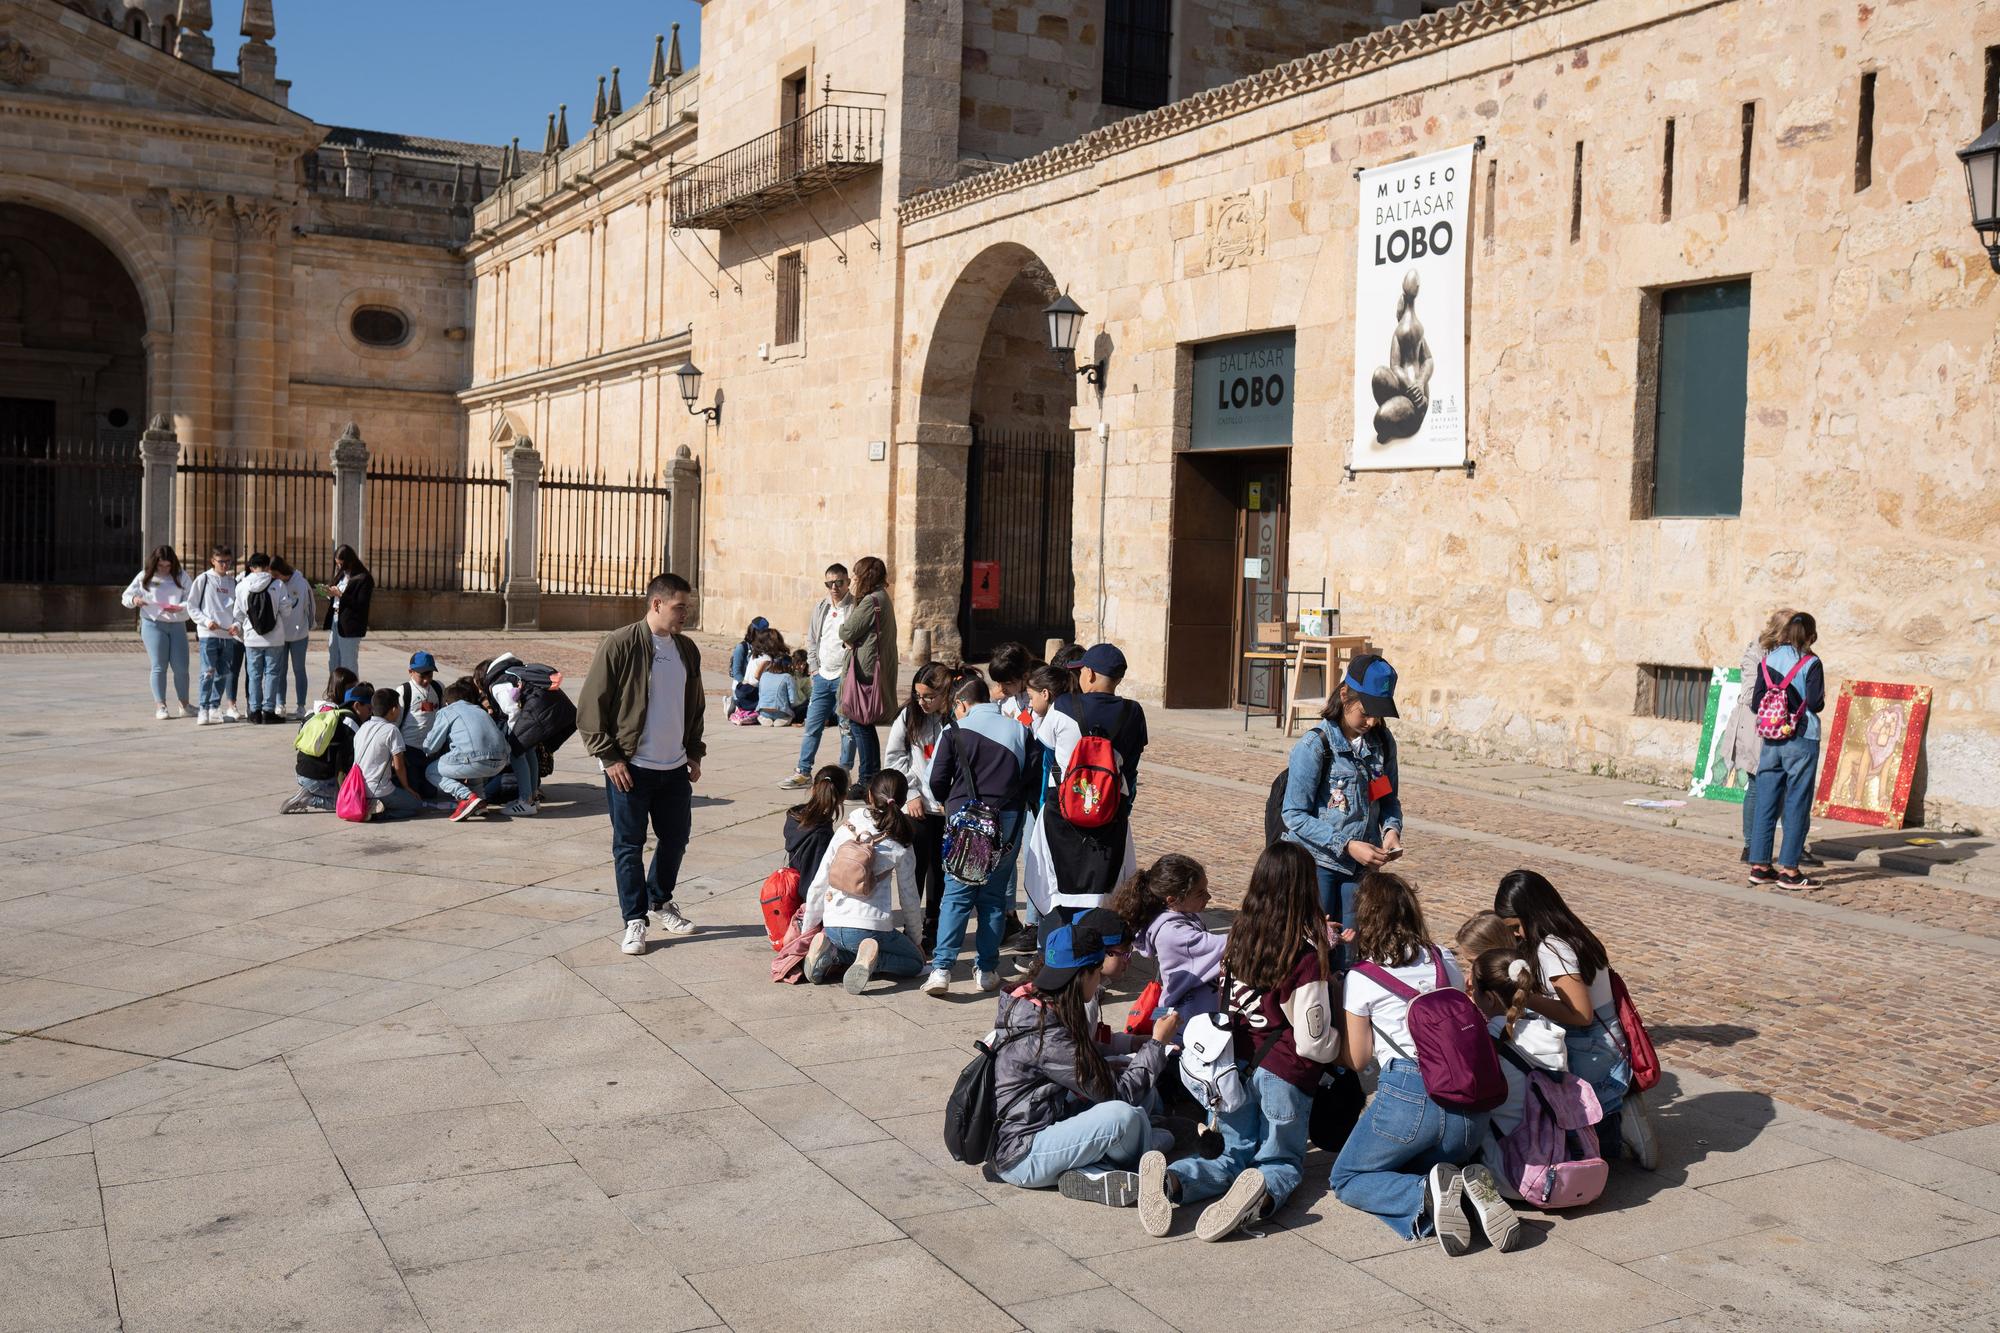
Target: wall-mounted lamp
<point>1065,322</point>
<point>1982,183</point>
<point>689,376</point>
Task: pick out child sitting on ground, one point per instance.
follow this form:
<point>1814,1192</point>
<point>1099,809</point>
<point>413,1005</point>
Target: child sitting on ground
<point>863,932</point>
<point>802,677</point>
<point>1162,906</point>
<point>466,748</point>
<point>1500,981</point>
<point>379,753</point>
<point>809,827</point>
<point>324,749</point>
<point>777,692</point>
<point>739,667</point>
<point>766,646</point>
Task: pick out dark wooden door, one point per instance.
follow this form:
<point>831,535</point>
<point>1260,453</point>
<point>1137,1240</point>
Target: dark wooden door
<point>1201,594</point>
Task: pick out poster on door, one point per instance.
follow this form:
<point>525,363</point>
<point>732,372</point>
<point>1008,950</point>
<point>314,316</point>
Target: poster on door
<point>1264,601</point>
<point>1409,313</point>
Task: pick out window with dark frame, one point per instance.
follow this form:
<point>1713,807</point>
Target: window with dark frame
<point>1673,693</point>
<point>1749,145</point>
<point>1138,53</point>
<point>1864,136</point>
<point>1667,177</point>
<point>1576,195</point>
<point>791,297</point>
<point>1700,383</point>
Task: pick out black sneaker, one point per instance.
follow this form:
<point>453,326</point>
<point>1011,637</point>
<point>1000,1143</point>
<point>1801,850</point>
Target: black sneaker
<point>1793,879</point>
<point>1762,875</point>
<point>1115,1189</point>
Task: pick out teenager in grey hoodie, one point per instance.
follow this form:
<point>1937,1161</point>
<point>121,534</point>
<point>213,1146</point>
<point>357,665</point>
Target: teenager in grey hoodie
<point>266,646</point>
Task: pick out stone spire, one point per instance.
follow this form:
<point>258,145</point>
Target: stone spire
<point>256,62</point>
<point>615,104</point>
<point>458,182</point>
<point>562,126</point>
<point>674,53</point>
<point>549,141</point>
<point>194,45</point>
<point>659,74</point>
<point>597,108</point>
<point>512,168</point>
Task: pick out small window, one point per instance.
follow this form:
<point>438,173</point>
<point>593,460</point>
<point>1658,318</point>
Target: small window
<point>1138,53</point>
<point>1673,693</point>
<point>379,326</point>
<point>1702,395</point>
<point>791,297</point>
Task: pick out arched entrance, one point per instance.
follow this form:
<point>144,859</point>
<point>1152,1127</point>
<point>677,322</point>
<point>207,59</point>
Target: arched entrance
<point>72,403</point>
<point>990,381</point>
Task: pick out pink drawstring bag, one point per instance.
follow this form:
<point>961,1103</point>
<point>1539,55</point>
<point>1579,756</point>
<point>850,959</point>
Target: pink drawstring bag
<point>352,804</point>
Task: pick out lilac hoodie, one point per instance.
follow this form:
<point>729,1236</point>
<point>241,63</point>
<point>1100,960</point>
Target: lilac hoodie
<point>1189,956</point>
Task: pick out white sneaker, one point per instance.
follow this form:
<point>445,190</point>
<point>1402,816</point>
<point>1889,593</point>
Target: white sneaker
<point>668,918</point>
<point>523,809</point>
<point>1444,1196</point>
<point>1490,1208</point>
<point>796,782</point>
<point>635,937</point>
<point>1639,1131</point>
<point>229,713</point>
<point>938,983</point>
<point>817,958</point>
<point>205,717</point>
<point>161,714</point>
<point>987,981</point>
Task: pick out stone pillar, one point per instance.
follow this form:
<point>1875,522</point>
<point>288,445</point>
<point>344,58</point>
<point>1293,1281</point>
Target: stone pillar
<point>523,588</point>
<point>159,454</point>
<point>684,521</point>
<point>194,217</point>
<point>350,483</point>
<point>252,387</point>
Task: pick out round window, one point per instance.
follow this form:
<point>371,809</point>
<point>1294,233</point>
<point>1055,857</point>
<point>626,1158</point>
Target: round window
<point>118,418</point>
<point>379,326</point>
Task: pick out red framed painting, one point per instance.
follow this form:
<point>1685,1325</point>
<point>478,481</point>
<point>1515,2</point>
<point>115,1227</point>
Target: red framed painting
<point>1870,755</point>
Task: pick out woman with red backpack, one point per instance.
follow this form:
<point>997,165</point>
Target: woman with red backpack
<point>1786,697</point>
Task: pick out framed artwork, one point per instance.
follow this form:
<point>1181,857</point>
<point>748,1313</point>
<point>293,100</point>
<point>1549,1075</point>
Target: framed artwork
<point>1714,779</point>
<point>1870,754</point>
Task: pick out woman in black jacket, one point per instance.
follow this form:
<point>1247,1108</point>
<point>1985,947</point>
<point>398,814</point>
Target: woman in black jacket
<point>347,598</point>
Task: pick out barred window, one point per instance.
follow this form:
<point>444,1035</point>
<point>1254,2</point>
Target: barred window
<point>791,297</point>
<point>1138,52</point>
<point>1675,693</point>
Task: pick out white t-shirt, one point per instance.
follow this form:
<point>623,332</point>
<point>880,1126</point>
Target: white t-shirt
<point>832,649</point>
<point>663,745</point>
<point>1557,959</point>
<point>1388,1013</point>
<point>420,710</point>
<point>374,746</point>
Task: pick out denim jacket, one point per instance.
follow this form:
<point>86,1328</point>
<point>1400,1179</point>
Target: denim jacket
<point>1324,811</point>
<point>465,734</point>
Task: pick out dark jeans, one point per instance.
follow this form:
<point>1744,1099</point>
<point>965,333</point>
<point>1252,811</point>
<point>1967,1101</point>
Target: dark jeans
<point>663,799</point>
<point>930,872</point>
<point>867,754</point>
<point>1336,899</point>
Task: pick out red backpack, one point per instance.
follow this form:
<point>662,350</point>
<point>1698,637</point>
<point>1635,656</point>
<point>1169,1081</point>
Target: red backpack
<point>1776,722</point>
<point>1093,787</point>
<point>780,899</point>
<point>1454,1051</point>
<point>1638,1043</point>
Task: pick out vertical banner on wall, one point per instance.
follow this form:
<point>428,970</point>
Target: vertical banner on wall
<point>1409,313</point>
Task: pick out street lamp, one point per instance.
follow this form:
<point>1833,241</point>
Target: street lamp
<point>1065,321</point>
<point>1982,183</point>
<point>689,376</point>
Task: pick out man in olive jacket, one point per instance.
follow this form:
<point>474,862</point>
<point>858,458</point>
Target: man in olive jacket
<point>640,715</point>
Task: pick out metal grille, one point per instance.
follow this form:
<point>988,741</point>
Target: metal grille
<point>436,527</point>
<point>599,538</point>
<point>1678,694</point>
<point>69,511</point>
<point>1138,53</point>
<point>791,293</point>
<point>1017,513</point>
<point>281,504</point>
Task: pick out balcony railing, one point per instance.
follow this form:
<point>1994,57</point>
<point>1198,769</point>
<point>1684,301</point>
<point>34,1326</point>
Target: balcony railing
<point>820,148</point>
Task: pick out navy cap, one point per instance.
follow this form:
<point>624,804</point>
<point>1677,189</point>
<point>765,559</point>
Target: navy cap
<point>1110,927</point>
<point>1374,683</point>
<point>759,623</point>
<point>423,662</point>
<point>1104,659</point>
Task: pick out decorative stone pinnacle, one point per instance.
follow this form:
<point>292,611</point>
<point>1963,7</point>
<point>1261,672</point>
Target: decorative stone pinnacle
<point>659,74</point>
<point>616,103</point>
<point>549,143</point>
<point>597,108</point>
<point>161,424</point>
<point>351,432</point>
<point>259,23</point>
<point>196,16</point>
<point>674,53</point>
<point>562,126</point>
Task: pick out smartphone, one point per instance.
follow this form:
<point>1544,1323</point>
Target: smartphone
<point>1394,852</point>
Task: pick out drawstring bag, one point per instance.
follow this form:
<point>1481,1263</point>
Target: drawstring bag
<point>353,802</point>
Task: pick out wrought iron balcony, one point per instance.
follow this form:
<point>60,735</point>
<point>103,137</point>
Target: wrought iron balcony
<point>822,147</point>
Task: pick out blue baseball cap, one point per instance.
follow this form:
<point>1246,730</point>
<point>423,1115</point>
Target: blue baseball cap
<point>1104,659</point>
<point>1374,683</point>
<point>357,695</point>
<point>1067,951</point>
<point>423,662</point>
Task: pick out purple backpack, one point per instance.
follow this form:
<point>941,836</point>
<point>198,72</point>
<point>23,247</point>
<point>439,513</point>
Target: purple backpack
<point>1551,1159</point>
<point>1454,1052</point>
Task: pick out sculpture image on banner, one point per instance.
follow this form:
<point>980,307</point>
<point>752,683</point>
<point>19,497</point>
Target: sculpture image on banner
<point>1409,313</point>
<point>1871,752</point>
<point>1714,779</point>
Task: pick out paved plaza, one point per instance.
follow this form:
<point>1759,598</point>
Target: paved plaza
<point>267,1072</point>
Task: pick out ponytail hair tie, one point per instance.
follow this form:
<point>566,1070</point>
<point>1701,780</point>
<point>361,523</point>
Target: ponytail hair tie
<point>1518,970</point>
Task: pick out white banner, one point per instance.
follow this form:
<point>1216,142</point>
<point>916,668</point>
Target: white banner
<point>1409,313</point>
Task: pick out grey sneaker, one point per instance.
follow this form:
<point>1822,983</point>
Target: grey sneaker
<point>797,782</point>
<point>295,804</point>
<point>1113,1188</point>
<point>862,969</point>
<point>1489,1206</point>
<point>1444,1193</point>
<point>1245,1199</point>
<point>668,918</point>
<point>1639,1130</point>
<point>1156,1206</point>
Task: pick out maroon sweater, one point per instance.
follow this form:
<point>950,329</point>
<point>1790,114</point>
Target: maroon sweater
<point>1260,1011</point>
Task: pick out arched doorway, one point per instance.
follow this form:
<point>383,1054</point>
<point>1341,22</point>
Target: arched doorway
<point>990,379</point>
<point>72,402</point>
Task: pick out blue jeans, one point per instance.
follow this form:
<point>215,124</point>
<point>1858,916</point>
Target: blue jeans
<point>1784,788</point>
<point>898,957</point>
<point>267,677</point>
<point>452,774</point>
<point>400,803</point>
<point>221,659</point>
<point>663,798</point>
<point>988,901</point>
<point>342,653</point>
<point>1400,1137</point>
<point>293,652</point>
<point>1109,1134</point>
<point>1336,899</point>
<point>820,711</point>
<point>527,778</point>
<point>167,647</point>
<point>1597,1056</point>
<point>1268,1132</point>
<point>867,751</point>
<point>322,792</point>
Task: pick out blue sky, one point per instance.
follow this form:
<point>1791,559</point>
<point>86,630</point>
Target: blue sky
<point>482,70</point>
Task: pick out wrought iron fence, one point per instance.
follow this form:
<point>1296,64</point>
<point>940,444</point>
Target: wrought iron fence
<point>598,537</point>
<point>69,511</point>
<point>436,527</point>
<point>1017,514</point>
<point>825,145</point>
<point>277,503</point>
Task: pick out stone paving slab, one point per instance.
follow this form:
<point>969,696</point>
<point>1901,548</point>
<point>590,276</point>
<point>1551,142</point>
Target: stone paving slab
<point>402,1078</point>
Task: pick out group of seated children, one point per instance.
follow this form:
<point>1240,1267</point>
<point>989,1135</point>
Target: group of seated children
<point>765,676</point>
<point>417,746</point>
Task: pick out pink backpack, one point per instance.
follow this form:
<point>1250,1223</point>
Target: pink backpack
<point>1454,1052</point>
<point>1775,722</point>
<point>1551,1158</point>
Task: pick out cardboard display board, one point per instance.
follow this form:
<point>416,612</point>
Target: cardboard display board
<point>1869,758</point>
<point>1714,779</point>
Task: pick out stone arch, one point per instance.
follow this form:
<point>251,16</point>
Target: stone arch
<point>112,223</point>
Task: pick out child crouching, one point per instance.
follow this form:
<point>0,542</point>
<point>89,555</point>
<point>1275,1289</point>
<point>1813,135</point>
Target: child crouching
<point>860,933</point>
<point>325,747</point>
<point>466,748</point>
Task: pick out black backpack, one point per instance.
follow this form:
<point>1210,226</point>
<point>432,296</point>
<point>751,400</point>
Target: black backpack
<point>970,1114</point>
<point>262,612</point>
<point>1274,804</point>
<point>545,717</point>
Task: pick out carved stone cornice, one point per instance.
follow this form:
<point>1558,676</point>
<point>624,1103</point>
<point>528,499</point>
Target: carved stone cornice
<point>1406,41</point>
<point>194,212</point>
<point>258,219</point>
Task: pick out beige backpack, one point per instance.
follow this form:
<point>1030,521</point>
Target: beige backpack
<point>852,870</point>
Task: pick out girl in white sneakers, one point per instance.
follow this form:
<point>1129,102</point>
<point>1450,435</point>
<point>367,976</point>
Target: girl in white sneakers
<point>160,595</point>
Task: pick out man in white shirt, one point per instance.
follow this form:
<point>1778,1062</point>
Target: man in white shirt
<point>826,658</point>
<point>640,716</point>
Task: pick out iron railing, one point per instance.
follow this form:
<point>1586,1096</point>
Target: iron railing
<point>1017,513</point>
<point>436,527</point>
<point>600,538</point>
<point>277,503</point>
<point>826,145</point>
<point>69,511</point>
